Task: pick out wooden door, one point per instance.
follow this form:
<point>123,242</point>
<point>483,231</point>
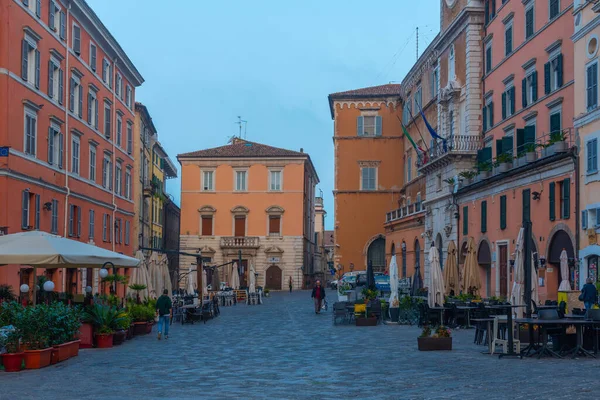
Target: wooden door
<point>503,270</point>
<point>240,226</point>
<point>274,278</point>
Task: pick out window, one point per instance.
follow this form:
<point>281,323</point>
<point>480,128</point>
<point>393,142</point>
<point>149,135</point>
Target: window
<point>565,198</point>
<point>451,72</point>
<point>75,156</point>
<point>553,74</point>
<point>30,144</point>
<point>107,172</point>
<point>418,99</point>
<point>76,39</point>
<point>128,96</point>
<point>408,169</point>
<point>555,121</point>
<point>92,163</point>
<point>55,81</point>
<point>25,209</point>
<point>74,220</point>
<point>91,224</point>
<point>438,182</point>
<point>368,126</point>
<point>508,38</point>
<point>369,178</point>
<point>30,220</point>
<point>529,88</point>
<point>54,217</point>
<point>55,146</point>
<point>488,114</point>
<point>119,129</point>
<point>63,25</point>
<point>490,10</point>
<point>275,181</point>
<point>92,111</point>
<point>127,230</point>
<point>529,20</point>
<point>592,156</point>
<point>128,183</point>
<point>106,68</point>
<point>119,86</point>
<point>53,16</point>
<point>208,181</point>
<point>465,220</point>
<point>105,227</point>
<point>591,84</point>
<point>240,181</point>
<point>508,102</point>
<point>405,112</point>
<point>503,212</point>
<point>435,75</point>
<point>76,96</point>
<point>118,171</point>
<point>93,56</point>
<point>118,230</point>
<point>488,56</point>
<point>554,8</point>
<point>484,216</point>
<point>274,225</point>
<point>207,225</point>
<point>107,118</point>
<point>30,62</point>
<point>129,137</point>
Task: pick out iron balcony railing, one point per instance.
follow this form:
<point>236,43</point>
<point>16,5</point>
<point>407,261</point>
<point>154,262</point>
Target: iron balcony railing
<point>240,242</point>
<point>404,212</point>
<point>454,144</point>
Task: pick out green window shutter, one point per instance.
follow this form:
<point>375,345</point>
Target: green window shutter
<point>484,216</point>
<point>552,199</point>
<point>529,134</point>
<point>377,126</point>
<point>520,140</point>
<point>486,154</point>
<point>524,92</point>
<point>547,78</point>
<point>534,84</point>
<point>504,105</point>
<point>566,186</point>
<point>559,71</point>
<point>512,100</point>
<point>526,205</point>
<point>502,212</point>
<point>555,122</point>
<point>485,118</point>
<point>507,145</point>
<point>24,59</point>
<point>359,126</point>
<point>498,147</point>
<point>491,107</point>
<point>465,220</point>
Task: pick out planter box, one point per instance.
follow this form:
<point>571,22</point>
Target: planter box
<point>342,297</point>
<point>139,328</point>
<point>149,327</point>
<point>362,321</point>
<point>74,347</point>
<point>560,147</point>
<point>503,167</point>
<point>394,314</point>
<point>485,174</point>
<point>12,361</point>
<point>62,352</point>
<point>531,157</point>
<point>104,341</point>
<point>432,344</point>
<point>86,336</point>
<point>36,359</point>
<point>119,337</point>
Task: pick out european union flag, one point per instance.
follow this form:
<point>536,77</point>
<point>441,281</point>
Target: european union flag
<point>4,151</point>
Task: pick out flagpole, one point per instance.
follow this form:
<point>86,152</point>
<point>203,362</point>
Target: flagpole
<point>418,130</point>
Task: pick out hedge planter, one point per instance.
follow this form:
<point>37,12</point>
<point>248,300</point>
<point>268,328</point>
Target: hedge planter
<point>432,344</point>
<point>74,348</point>
<point>119,337</point>
<point>531,157</point>
<point>62,352</point>
<point>370,321</point>
<point>86,336</point>
<point>139,328</point>
<point>104,341</point>
<point>394,314</point>
<point>12,361</point>
<point>36,359</point>
<point>503,167</point>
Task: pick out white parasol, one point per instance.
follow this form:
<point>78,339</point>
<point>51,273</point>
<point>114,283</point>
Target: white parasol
<point>393,281</point>
<point>436,285</point>
<point>564,272</point>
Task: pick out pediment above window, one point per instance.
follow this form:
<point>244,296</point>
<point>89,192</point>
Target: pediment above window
<point>275,210</point>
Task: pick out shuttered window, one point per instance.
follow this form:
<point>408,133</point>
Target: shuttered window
<point>591,85</point>
<point>508,39</point>
<point>503,212</point>
<point>127,229</point>
<point>25,209</point>
<point>566,198</point>
<point>465,220</point>
<point>368,126</point>
<point>54,217</point>
<point>207,224</point>
<point>91,224</point>
<point>592,156</point>
<point>36,224</point>
<point>555,122</point>
<point>552,200</point>
<point>584,221</point>
<point>240,226</point>
<point>274,225</point>
<point>484,216</point>
<point>526,205</point>
<point>529,22</point>
<point>554,8</point>
<point>76,39</point>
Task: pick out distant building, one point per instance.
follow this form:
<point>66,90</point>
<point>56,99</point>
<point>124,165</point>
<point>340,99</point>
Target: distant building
<point>321,269</point>
<point>251,200</point>
<point>172,218</point>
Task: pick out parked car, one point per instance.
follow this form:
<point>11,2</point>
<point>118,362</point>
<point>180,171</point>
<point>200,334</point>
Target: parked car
<point>382,282</point>
<point>333,284</point>
<point>355,279</point>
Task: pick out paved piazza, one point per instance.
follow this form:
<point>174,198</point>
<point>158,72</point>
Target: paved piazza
<point>282,350</point>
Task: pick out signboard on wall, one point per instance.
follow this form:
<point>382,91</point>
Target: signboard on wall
<point>273,260</point>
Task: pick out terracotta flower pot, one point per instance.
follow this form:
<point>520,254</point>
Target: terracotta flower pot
<point>431,343</point>
<point>139,328</point>
<point>119,337</point>
<point>62,351</point>
<point>371,321</point>
<point>104,341</point>
<point>36,359</point>
<point>74,348</point>
<point>12,361</point>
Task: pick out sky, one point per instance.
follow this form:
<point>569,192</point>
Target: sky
<point>271,62</point>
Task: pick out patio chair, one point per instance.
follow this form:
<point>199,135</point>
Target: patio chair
<point>432,316</point>
<point>480,327</point>
<point>547,330</point>
<point>496,340</point>
<point>594,315</point>
<point>339,312</point>
<point>375,309</point>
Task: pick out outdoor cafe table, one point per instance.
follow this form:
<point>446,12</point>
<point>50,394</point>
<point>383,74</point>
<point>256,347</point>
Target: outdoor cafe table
<point>467,309</point>
<point>578,323</point>
<point>441,310</point>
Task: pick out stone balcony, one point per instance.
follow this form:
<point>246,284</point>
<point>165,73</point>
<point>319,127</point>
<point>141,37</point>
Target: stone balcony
<point>403,212</point>
<point>439,154</point>
<point>240,242</point>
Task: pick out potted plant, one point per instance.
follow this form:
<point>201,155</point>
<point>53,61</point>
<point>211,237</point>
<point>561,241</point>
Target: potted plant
<point>503,162</point>
<point>137,288</point>
<point>558,141</point>
<point>105,319</point>
<point>34,325</point>
<point>343,290</point>
<point>395,310</point>
<point>13,358</point>
<point>485,169</point>
<point>365,319</point>
<point>140,314</point>
<point>6,293</point>
<point>267,291</point>
<point>468,176</point>
<point>122,327</point>
<point>64,326</point>
<point>451,182</point>
<point>441,339</point>
<point>530,153</point>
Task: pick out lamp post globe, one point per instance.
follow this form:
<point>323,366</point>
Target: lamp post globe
<point>88,289</point>
<point>48,286</point>
<point>24,288</point>
<point>103,273</point>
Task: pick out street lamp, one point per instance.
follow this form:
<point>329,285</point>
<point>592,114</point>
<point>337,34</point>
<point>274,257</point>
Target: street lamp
<point>351,267</point>
<point>24,289</point>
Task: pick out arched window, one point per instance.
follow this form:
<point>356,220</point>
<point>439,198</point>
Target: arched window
<point>451,73</point>
<point>376,254</point>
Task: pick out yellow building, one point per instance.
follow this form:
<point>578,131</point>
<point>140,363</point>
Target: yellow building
<point>162,169</point>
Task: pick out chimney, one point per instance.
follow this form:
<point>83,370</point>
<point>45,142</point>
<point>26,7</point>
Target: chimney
<point>301,150</point>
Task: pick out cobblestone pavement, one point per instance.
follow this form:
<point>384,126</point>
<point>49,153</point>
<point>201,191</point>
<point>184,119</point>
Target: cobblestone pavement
<point>282,350</point>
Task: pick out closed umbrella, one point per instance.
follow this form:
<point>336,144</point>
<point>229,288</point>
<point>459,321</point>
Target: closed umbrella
<point>517,292</point>
<point>204,283</point>
<point>370,276</point>
<point>564,271</point>
<point>139,277</point>
<point>235,277</point>
<point>436,285</point>
<point>393,280</point>
<point>155,273</point>
<point>216,280</point>
<point>192,285</point>
<point>252,279</point>
<point>165,277</point>
<point>417,281</point>
<point>451,271</point>
<point>472,282</point>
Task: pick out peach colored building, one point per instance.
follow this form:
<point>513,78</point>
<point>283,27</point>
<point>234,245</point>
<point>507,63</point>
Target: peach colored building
<point>250,198</point>
<point>368,172</point>
<point>528,85</point>
<point>587,127</point>
<point>66,115</point>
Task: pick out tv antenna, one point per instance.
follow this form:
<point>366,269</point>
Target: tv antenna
<point>241,122</point>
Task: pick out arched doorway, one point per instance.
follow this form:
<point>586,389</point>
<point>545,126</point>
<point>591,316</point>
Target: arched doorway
<point>376,254</point>
<point>438,245</point>
<point>274,278</point>
<point>561,240</point>
<point>484,259</point>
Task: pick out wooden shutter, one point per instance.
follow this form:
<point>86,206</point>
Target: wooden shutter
<point>93,58</point>
<point>508,41</point>
<point>529,134</point>
<point>60,150</point>
<point>485,118</point>
<point>526,205</point>
<point>504,105</point>
<point>498,147</point>
<point>274,224</point>
<point>547,88</point>
<point>534,85</point>
<point>524,92</point>
<point>559,71</point>
<point>378,126</point>
<point>507,145</point>
<point>50,145</point>
<point>51,12</point>
<point>520,140</point>
<point>38,7</point>
<point>240,226</point>
<point>24,209</point>
<point>207,223</point>
<point>555,123</point>
<point>483,216</point>
<point>502,212</point>
<point>37,212</point>
<point>37,68</point>
<point>50,79</point>
<point>71,212</point>
<point>72,95</point>
<point>491,108</point>
<point>360,126</point>
<point>584,217</point>
<point>80,101</point>
<point>78,221</point>
<point>61,79</point>
<point>76,39</point>
<point>63,25</point>
<point>24,59</point>
<point>552,200</point>
<point>89,109</point>
<point>566,187</point>
<point>465,220</point>
<point>589,156</point>
<point>512,100</point>
<point>487,12</point>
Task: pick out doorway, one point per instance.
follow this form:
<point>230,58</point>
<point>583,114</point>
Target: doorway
<point>503,270</point>
<point>274,278</point>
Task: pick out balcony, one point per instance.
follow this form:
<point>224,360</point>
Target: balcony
<point>240,242</point>
<point>458,145</point>
<point>147,187</point>
<point>403,212</point>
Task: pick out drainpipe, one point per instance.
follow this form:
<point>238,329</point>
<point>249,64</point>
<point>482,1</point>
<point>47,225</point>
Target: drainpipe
<point>66,142</point>
<point>113,118</point>
<point>575,157</point>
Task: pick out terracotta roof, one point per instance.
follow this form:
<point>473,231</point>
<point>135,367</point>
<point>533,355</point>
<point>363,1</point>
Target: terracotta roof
<point>389,90</point>
<point>243,148</point>
<point>328,238</point>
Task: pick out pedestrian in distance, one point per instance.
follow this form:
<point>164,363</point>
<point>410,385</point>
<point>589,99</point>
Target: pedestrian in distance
<point>318,294</point>
<point>291,284</point>
<point>164,309</point>
<point>589,294</point>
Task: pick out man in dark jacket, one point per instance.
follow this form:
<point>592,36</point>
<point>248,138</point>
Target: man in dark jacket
<point>318,293</point>
<point>589,294</point>
<point>164,307</point>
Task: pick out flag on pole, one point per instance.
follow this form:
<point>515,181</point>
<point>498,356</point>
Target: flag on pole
<point>420,151</point>
<point>431,130</point>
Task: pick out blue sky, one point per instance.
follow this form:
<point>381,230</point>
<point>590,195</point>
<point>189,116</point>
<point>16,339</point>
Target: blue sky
<point>272,62</point>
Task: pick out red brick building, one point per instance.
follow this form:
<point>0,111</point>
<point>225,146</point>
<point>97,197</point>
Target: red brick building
<point>66,115</point>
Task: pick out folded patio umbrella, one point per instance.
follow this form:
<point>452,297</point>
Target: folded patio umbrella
<point>191,278</point>
<point>216,280</point>
<point>472,280</point>
<point>234,281</point>
<point>517,292</point>
<point>451,271</point>
<point>393,280</point>
<point>166,274</point>
<point>139,277</point>
<point>370,276</point>
<point>155,274</point>
<point>564,271</point>
<point>435,294</point>
<point>252,279</point>
<point>417,281</point>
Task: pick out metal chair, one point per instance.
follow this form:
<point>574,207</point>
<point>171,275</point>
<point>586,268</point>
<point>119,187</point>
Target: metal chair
<point>339,311</point>
<point>594,315</point>
<point>375,309</point>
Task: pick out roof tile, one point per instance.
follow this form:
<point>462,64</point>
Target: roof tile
<point>242,148</point>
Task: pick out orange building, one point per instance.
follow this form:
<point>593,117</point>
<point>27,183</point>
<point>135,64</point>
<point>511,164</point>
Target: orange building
<point>66,113</point>
<point>250,198</point>
<point>368,172</point>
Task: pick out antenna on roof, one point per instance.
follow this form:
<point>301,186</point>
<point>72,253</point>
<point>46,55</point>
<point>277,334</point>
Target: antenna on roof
<point>240,121</point>
<point>417,43</point>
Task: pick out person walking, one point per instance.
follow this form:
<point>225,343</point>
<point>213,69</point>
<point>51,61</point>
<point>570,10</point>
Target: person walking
<point>318,294</point>
<point>291,284</point>
<point>164,309</point>
<point>589,294</point>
